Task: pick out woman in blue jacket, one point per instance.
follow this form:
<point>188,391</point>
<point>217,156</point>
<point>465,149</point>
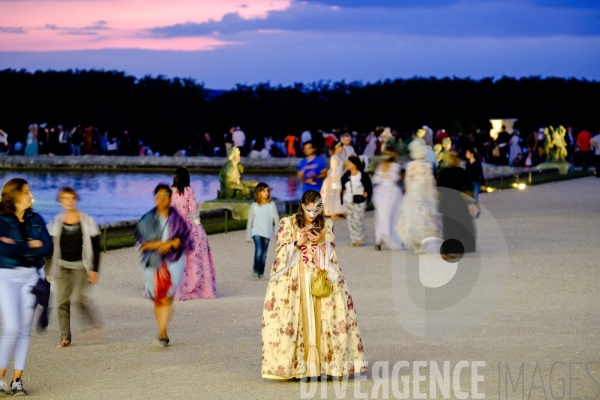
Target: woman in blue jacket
<point>24,242</point>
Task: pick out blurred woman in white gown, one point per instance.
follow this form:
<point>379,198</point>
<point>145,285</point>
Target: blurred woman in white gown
<point>386,199</point>
<point>419,218</point>
<point>332,185</point>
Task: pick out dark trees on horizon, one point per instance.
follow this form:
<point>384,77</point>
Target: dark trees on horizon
<point>170,114</point>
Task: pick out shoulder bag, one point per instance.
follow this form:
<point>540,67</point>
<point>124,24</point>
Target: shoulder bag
<point>356,198</point>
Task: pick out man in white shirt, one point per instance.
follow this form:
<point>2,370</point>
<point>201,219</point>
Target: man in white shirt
<point>305,137</point>
<point>239,138</point>
<point>3,141</point>
<point>269,143</point>
<point>348,150</point>
<point>595,142</point>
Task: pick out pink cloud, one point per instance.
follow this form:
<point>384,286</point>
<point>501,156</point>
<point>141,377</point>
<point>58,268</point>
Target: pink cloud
<point>52,25</point>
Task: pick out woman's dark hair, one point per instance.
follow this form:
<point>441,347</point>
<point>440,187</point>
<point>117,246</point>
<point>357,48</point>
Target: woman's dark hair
<point>67,190</point>
<point>11,190</point>
<point>333,146</point>
<point>473,151</point>
<point>310,196</point>
<point>181,179</point>
<point>356,161</point>
<point>163,186</point>
<point>259,188</point>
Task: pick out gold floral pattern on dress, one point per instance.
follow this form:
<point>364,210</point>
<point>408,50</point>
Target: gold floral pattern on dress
<point>283,328</point>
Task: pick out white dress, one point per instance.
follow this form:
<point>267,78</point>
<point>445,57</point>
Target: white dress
<point>331,190</point>
<point>371,146</point>
<point>419,218</point>
<point>515,149</point>
<point>386,199</point>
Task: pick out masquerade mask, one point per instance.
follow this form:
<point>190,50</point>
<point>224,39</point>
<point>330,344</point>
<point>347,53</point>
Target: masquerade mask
<point>313,212</point>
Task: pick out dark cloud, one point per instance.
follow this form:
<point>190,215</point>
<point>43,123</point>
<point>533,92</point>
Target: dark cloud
<point>90,30</point>
<point>465,19</point>
<point>443,3</point>
<point>11,29</point>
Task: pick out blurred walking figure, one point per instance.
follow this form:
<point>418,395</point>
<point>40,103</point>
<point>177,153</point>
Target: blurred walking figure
<point>164,238</point>
<point>419,218</point>
<point>386,199</point>
<point>290,141</point>
<point>357,190</point>
<point>198,281</point>
<point>24,242</point>
<point>458,229</point>
<point>371,147</point>
<point>63,141</point>
<point>332,185</point>
<point>515,148</point>
<point>75,263</point>
<point>595,143</point>
<point>3,142</point>
<point>262,220</point>
<point>475,172</point>
<point>31,145</point>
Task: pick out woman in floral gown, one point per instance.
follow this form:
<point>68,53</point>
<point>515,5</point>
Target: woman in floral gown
<point>305,335</point>
<point>199,277</point>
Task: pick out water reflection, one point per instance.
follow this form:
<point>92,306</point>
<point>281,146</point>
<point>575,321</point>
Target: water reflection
<point>110,197</point>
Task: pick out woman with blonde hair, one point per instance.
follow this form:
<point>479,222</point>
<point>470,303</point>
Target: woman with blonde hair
<point>307,332</point>
<point>24,242</point>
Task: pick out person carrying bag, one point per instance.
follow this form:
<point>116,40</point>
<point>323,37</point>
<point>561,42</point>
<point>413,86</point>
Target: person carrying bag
<point>357,190</point>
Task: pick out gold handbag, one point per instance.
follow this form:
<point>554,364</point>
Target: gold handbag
<point>321,286</point>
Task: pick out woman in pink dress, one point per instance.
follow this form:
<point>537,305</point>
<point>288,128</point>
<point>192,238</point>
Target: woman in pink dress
<point>199,276</point>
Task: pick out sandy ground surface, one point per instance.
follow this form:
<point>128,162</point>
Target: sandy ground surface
<point>548,312</point>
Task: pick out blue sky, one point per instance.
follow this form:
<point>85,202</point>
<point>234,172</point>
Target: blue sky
<point>285,41</point>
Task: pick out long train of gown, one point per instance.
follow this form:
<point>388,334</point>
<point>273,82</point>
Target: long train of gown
<point>198,280</point>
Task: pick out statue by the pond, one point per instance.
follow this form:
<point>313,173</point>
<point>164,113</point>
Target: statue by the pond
<point>556,151</point>
<point>441,150</point>
<point>556,146</point>
<point>230,177</point>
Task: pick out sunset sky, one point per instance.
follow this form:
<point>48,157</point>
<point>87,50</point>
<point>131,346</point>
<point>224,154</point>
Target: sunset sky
<point>224,42</point>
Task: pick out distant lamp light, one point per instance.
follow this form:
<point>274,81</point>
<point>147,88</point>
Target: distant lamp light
<point>489,189</point>
<point>522,186</point>
<point>515,185</point>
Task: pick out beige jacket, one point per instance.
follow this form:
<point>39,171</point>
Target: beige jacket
<point>89,229</point>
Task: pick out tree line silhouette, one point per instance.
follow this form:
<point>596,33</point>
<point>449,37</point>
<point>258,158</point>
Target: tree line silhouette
<point>171,114</point>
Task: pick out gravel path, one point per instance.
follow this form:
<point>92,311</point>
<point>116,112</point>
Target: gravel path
<point>548,312</point>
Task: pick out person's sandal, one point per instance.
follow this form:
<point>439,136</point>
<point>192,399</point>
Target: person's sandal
<point>63,343</point>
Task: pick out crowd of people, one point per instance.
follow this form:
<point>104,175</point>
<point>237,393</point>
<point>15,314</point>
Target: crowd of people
<point>304,332</point>
<point>514,149</point>
<point>176,259</point>
<point>309,323</point>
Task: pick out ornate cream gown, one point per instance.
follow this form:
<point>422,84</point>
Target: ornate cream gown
<point>305,335</point>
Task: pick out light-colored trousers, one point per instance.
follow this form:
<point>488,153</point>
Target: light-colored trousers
<point>355,215</point>
<point>17,306</point>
